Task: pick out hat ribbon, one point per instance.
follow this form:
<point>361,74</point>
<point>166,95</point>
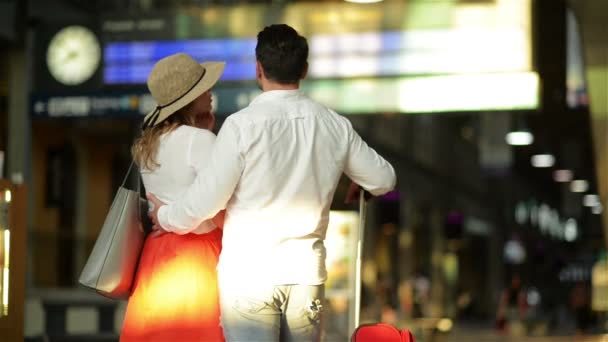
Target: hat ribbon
<point>151,121</point>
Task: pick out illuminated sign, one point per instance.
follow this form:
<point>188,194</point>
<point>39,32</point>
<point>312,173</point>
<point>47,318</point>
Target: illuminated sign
<point>355,96</point>
<point>412,57</point>
<point>91,105</point>
<point>368,54</point>
<point>428,94</point>
<point>131,62</point>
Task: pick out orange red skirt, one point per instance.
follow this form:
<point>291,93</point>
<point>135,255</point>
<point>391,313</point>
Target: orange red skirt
<point>175,295</point>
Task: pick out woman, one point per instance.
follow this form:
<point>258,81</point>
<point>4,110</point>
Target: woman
<point>175,295</point>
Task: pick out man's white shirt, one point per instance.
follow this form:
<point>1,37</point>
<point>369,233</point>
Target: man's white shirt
<point>275,167</point>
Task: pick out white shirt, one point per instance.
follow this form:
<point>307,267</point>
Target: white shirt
<point>182,154</point>
<point>275,167</point>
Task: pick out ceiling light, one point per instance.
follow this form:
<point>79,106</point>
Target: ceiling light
<point>597,209</point>
<point>519,138</point>
<point>571,230</point>
<point>579,185</point>
<point>563,176</point>
<point>542,160</point>
<point>591,200</point>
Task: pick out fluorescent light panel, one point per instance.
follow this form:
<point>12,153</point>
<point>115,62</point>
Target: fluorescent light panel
<point>519,138</point>
<point>579,185</point>
<point>563,176</point>
<point>597,209</point>
<point>427,94</point>
<point>570,230</point>
<point>591,200</point>
<point>542,160</point>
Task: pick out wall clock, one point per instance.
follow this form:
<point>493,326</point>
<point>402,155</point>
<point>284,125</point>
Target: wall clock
<point>73,55</point>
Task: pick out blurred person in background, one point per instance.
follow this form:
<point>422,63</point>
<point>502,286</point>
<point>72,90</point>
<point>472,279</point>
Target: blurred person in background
<point>511,307</point>
<point>175,296</point>
<point>405,293</point>
<point>580,302</point>
<point>275,168</point>
<point>422,294</point>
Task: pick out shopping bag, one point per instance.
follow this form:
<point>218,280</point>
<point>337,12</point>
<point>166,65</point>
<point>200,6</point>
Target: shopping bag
<point>111,266</point>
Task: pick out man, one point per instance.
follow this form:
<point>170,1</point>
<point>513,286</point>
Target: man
<point>275,167</point>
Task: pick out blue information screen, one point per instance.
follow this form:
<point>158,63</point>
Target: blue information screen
<point>414,53</point>
<point>331,56</point>
<point>131,62</point>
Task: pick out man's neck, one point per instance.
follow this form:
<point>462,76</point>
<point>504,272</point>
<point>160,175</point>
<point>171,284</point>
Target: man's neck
<point>269,85</point>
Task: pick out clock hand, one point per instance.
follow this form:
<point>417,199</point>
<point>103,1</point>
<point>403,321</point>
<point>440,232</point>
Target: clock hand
<point>71,55</point>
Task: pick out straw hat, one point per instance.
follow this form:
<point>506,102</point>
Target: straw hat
<point>177,80</point>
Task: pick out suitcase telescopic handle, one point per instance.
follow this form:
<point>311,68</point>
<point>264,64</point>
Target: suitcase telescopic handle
<point>358,262</point>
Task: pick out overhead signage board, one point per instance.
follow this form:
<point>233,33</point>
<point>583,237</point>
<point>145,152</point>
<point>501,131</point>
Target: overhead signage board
<point>353,96</point>
<point>397,57</point>
<point>90,105</point>
<point>369,54</point>
<point>131,62</point>
<point>387,39</point>
<point>127,27</point>
<point>417,57</point>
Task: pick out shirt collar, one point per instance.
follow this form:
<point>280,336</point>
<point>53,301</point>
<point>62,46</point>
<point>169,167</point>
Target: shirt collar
<point>273,95</point>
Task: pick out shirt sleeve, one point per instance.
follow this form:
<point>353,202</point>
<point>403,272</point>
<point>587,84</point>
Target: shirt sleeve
<point>212,187</point>
<point>366,167</point>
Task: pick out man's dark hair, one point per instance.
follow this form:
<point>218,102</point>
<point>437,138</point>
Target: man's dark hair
<point>282,53</point>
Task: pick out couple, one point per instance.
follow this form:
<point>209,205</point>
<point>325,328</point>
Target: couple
<point>274,168</point>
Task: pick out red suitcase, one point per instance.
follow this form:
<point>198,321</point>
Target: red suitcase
<point>380,332</point>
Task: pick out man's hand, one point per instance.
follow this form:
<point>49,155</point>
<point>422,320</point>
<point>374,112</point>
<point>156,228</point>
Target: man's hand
<point>218,220</point>
<point>157,230</point>
<point>352,195</point>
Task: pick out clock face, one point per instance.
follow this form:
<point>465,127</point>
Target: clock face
<point>73,55</point>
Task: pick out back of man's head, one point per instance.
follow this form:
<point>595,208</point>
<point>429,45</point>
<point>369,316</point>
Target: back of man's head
<point>283,53</point>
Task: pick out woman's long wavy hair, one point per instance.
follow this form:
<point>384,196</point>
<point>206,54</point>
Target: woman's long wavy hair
<point>145,147</point>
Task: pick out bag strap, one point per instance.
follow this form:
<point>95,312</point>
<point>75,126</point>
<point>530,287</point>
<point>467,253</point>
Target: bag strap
<point>140,183</point>
<point>140,186</point>
<point>124,180</point>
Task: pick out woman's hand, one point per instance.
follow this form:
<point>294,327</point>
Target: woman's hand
<point>157,230</point>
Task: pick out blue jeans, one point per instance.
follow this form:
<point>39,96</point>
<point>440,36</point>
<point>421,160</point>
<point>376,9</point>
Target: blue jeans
<point>270,313</point>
